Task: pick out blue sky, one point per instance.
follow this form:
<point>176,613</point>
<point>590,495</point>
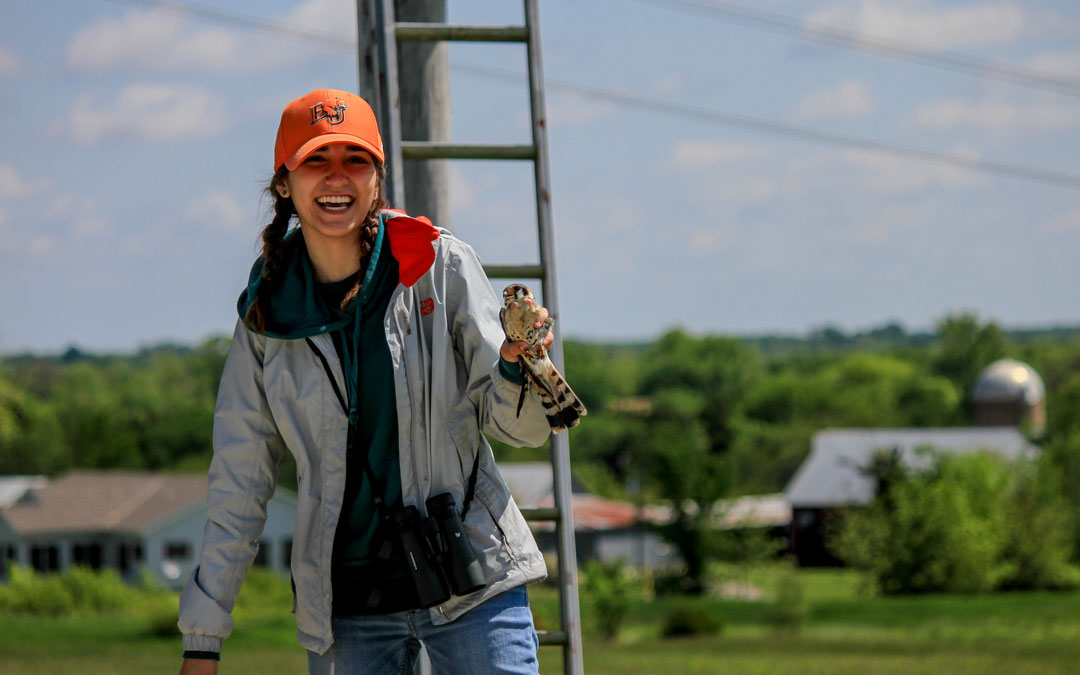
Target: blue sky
<point>135,143</point>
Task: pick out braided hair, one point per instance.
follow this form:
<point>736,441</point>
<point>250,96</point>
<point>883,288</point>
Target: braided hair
<point>273,243</point>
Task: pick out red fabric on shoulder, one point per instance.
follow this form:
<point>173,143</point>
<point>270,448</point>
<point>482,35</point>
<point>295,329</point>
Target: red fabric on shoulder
<point>410,242</point>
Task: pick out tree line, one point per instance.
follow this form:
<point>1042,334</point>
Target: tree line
<point>686,420</point>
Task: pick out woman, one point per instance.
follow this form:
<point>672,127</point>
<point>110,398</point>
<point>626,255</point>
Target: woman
<point>368,345</point>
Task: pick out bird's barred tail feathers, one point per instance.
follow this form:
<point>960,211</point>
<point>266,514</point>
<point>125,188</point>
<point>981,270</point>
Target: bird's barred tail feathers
<point>561,405</point>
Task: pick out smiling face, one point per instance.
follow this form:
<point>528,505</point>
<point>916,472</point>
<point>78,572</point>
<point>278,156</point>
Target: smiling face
<point>333,189</point>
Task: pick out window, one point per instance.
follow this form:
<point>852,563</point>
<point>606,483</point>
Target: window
<point>45,557</point>
<point>176,550</point>
<point>88,555</point>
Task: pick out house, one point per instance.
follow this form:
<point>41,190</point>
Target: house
<point>604,529</point>
<point>125,521</point>
<point>832,478</point>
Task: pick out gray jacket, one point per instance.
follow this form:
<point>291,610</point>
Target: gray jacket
<point>275,396</point>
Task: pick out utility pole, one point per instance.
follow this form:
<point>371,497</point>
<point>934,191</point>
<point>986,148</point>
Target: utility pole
<point>424,96</point>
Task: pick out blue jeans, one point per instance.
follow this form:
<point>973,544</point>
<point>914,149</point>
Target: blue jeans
<point>495,637</point>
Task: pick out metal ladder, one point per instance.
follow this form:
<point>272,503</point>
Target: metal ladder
<point>388,32</point>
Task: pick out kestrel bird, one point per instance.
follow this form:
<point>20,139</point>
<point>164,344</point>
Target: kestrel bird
<point>519,317</point>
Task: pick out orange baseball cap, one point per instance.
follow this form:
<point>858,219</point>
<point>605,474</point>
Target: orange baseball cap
<point>322,117</point>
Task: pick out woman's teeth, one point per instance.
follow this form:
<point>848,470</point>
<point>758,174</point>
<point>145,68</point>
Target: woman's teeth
<point>335,203</point>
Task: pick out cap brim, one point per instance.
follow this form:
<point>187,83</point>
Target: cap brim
<point>326,139</point>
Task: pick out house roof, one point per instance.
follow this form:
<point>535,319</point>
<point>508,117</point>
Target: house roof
<point>832,476</point>
<point>532,483</point>
<point>91,501</point>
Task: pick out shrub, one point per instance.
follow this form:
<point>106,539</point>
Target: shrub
<point>941,529</point>
<point>161,614</point>
<point>30,593</point>
<point>608,589</point>
<point>788,610</point>
<point>96,591</point>
<point>1040,530</point>
<point>264,589</point>
<point>76,589</point>
<point>688,620</point>
<point>966,523</point>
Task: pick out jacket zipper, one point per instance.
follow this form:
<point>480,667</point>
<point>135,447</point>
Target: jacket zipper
<point>329,374</point>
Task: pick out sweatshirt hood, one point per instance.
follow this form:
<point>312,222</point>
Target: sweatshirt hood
<point>296,308</point>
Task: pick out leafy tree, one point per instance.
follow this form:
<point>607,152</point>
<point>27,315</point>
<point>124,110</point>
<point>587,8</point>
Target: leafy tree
<point>30,438</point>
<point>966,523</point>
<point>938,531</point>
<point>718,369</point>
<point>966,347</point>
<point>677,464</point>
<point>1061,458</point>
<point>92,418</point>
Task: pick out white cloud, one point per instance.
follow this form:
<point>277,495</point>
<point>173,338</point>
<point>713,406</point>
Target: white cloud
<point>668,84</point>
<point>924,23</point>
<point>13,186</point>
<point>148,112</point>
<point>1064,63</point>
<point>703,153</point>
<point>156,42</point>
<point>219,209</point>
<point>1069,222</point>
<point>9,62</point>
<point>887,174</point>
<point>844,99</point>
<point>997,115</point>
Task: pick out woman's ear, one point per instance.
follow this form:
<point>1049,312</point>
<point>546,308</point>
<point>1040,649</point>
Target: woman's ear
<point>283,190</point>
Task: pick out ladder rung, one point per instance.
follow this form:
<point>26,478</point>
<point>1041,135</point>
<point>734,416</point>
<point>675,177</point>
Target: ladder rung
<point>552,637</point>
<point>514,271</point>
<point>428,150</point>
<point>437,32</point>
<point>541,515</point>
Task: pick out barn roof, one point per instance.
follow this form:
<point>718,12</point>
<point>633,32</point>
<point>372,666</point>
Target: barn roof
<point>831,475</point>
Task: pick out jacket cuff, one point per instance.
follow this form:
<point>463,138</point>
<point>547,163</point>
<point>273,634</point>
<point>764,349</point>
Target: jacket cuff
<point>204,656</point>
<point>511,372</point>
<point>202,643</point>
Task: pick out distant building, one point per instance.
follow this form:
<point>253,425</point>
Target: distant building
<point>832,478</point>
<point>604,529</point>
<point>1010,393</point>
<point>124,521</point>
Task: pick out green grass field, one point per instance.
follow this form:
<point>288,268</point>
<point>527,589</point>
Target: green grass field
<point>844,632</point>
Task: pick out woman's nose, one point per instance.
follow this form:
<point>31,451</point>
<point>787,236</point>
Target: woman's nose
<point>335,173</point>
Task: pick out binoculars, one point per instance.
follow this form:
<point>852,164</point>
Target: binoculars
<point>437,552</point>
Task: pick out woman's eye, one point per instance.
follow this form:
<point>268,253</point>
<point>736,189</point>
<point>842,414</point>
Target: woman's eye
<point>358,159</point>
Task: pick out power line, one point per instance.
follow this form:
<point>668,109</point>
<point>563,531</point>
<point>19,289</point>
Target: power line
<point>641,102</point>
<point>783,129</point>
<point>727,11</point>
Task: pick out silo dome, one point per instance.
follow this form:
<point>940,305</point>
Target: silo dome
<point>1010,393</point>
<point>1007,381</point>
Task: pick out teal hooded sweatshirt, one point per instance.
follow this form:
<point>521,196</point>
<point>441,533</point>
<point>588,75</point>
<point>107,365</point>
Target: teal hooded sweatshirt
<point>299,309</point>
